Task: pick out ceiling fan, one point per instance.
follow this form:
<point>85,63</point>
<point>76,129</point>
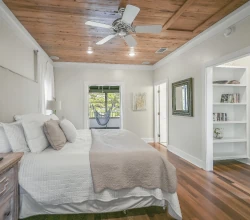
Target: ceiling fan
<point>123,26</point>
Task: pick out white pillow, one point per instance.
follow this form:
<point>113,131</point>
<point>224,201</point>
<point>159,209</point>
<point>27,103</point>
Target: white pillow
<point>33,130</point>
<point>15,135</point>
<point>69,130</point>
<point>4,143</point>
<point>35,116</point>
<point>35,136</point>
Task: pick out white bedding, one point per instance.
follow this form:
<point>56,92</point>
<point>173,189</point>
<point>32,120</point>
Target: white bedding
<point>60,182</point>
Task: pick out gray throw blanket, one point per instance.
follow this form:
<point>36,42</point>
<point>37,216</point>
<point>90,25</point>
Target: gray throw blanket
<point>121,160</point>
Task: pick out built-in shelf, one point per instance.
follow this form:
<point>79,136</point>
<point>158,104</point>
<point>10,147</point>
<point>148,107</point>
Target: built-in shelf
<point>228,156</point>
<point>229,85</point>
<point>234,144</point>
<point>229,122</point>
<point>219,103</point>
<point>229,140</point>
<point>231,67</point>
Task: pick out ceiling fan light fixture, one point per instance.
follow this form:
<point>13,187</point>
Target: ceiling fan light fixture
<point>123,27</point>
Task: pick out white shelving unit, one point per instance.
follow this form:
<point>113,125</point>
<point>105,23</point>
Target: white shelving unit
<point>229,85</point>
<point>234,144</point>
<point>228,104</point>
<point>229,122</point>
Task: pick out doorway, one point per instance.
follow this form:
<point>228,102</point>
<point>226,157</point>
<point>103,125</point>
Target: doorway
<point>161,112</point>
<point>226,111</point>
<point>103,105</point>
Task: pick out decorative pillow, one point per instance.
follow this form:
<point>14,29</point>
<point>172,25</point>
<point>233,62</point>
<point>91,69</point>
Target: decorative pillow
<point>69,130</point>
<point>54,134</point>
<point>33,130</point>
<point>4,143</point>
<point>35,116</point>
<point>15,135</point>
<point>35,136</point>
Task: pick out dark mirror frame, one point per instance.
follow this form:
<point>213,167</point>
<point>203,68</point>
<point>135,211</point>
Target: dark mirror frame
<point>189,83</point>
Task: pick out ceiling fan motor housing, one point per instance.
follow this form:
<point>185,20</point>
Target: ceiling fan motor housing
<point>121,27</point>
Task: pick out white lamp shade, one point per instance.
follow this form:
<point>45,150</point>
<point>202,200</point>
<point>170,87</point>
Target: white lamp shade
<point>54,105</point>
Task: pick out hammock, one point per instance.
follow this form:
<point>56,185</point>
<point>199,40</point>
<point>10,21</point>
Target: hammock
<point>102,119</point>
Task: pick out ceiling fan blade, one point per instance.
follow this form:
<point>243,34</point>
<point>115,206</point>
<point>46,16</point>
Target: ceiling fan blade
<point>104,40</point>
<point>154,29</point>
<point>130,13</point>
<point>96,24</point>
<point>131,42</point>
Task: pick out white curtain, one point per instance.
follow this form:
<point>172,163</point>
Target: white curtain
<point>46,84</point>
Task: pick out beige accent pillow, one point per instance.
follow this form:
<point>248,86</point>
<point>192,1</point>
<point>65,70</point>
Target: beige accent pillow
<point>54,134</point>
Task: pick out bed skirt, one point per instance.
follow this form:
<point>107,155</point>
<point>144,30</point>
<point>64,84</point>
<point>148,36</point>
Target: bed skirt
<point>150,211</point>
<point>31,210</point>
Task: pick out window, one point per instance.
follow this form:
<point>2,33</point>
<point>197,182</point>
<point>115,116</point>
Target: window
<point>102,98</point>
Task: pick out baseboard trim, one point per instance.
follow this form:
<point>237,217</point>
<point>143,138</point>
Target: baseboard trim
<point>148,140</point>
<point>197,162</point>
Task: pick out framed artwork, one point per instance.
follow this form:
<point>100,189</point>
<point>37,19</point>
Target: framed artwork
<point>139,101</point>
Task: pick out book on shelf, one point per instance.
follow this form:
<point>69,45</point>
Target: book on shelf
<point>230,98</point>
<point>220,117</point>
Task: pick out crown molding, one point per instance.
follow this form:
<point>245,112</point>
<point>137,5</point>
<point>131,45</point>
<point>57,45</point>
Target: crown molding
<point>104,66</point>
<point>19,29</point>
<point>231,19</point>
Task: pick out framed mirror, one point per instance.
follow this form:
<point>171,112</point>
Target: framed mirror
<point>182,98</point>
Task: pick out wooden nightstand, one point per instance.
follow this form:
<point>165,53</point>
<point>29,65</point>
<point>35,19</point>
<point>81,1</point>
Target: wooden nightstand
<point>9,186</point>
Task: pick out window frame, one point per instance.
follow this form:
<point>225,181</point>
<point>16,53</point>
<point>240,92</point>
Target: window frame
<point>106,103</point>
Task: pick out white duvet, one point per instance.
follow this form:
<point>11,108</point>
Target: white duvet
<point>64,177</point>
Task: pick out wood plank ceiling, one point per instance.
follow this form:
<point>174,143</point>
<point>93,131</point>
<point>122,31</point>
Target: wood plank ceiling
<point>59,26</point>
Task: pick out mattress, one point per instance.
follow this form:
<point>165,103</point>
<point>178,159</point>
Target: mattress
<point>60,182</point>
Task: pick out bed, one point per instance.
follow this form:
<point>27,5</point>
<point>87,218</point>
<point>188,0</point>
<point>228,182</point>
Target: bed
<point>60,182</point>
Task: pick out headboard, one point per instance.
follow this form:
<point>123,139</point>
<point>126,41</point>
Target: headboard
<point>18,95</point>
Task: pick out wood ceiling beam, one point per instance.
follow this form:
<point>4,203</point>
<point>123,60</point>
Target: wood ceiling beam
<point>217,16</point>
<point>177,14</point>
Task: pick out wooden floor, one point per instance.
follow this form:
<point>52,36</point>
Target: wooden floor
<point>222,194</point>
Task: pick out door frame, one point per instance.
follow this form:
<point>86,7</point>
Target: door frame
<point>86,99</point>
<point>207,109</point>
<point>156,124</point>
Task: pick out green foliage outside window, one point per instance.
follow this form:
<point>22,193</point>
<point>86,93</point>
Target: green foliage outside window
<point>103,102</point>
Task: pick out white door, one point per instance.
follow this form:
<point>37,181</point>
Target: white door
<point>161,113</point>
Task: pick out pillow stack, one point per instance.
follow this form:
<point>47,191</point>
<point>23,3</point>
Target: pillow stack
<point>35,132</point>
<point>58,133</point>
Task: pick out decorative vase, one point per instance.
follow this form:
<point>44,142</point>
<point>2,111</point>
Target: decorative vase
<point>218,133</point>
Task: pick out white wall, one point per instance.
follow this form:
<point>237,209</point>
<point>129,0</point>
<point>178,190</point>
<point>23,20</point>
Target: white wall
<point>19,93</point>
<point>185,133</point>
<point>15,54</point>
<point>69,84</point>
<point>245,61</point>
<point>17,45</point>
